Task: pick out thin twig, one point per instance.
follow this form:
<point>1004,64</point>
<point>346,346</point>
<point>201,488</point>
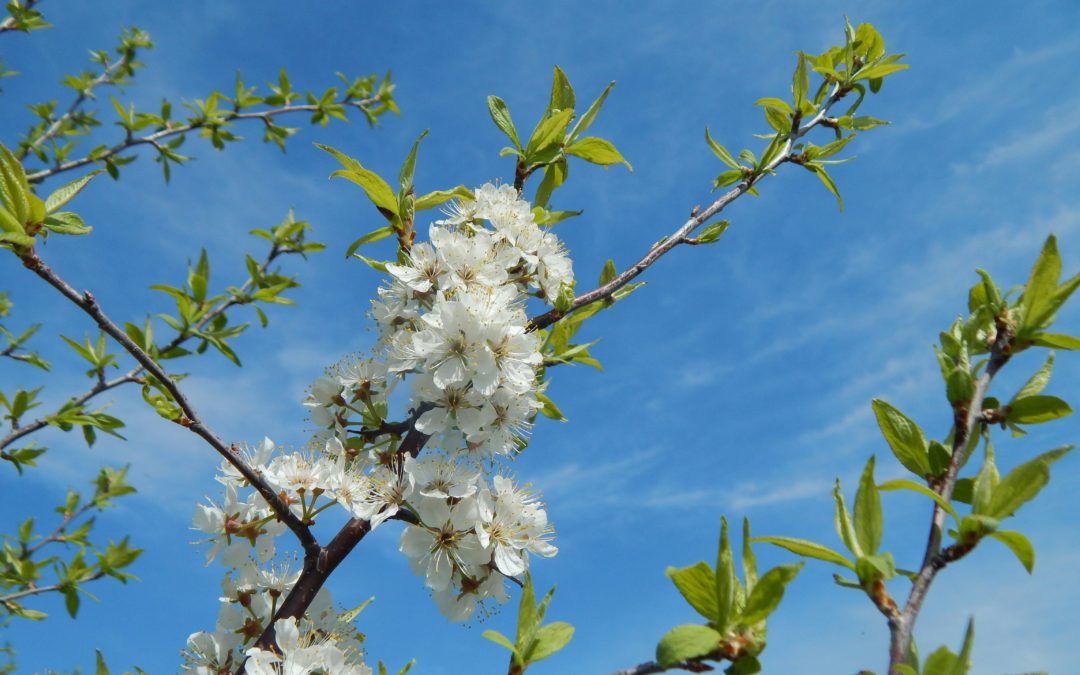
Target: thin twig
<point>134,375</point>
<point>154,138</point>
<point>106,77</point>
<point>699,218</point>
<point>188,418</point>
<point>966,425</point>
<point>8,24</point>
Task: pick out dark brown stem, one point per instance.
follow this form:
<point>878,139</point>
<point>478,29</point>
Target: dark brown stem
<point>134,375</point>
<point>188,418</point>
<point>320,564</point>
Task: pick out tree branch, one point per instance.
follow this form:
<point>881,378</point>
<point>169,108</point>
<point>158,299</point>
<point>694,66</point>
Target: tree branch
<point>134,375</point>
<point>699,218</point>
<point>966,423</point>
<point>189,418</point>
<point>9,24</point>
<point>106,77</point>
<point>157,136</point>
<point>321,564</point>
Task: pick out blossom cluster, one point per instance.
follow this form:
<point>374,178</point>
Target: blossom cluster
<point>452,320</point>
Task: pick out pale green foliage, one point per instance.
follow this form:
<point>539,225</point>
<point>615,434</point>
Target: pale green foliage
<point>534,640</point>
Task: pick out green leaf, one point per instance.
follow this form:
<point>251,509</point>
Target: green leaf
<point>66,222</point>
<point>697,584</point>
<point>499,639</point>
<point>549,408</point>
<point>586,120</point>
<point>868,521</point>
<point>686,642</point>
<point>1037,382</point>
<point>500,115</point>
<point>725,582</point>
<point>597,151</point>
<point>377,189</point>
<point>711,233</point>
<point>1037,409</point>
<point>548,131</point>
<point>905,484</point>
<point>1041,286</point>
<point>829,185</point>
<point>373,236</point>
<point>880,70</point>
<point>721,152</point>
<point>550,639</point>
<point>749,563</point>
<point>1056,341</point>
<point>66,193</point>
<point>807,549</point>
<point>904,437</point>
<point>842,520</point>
<point>800,82</point>
<point>433,199</point>
<point>1019,545</point>
<point>562,94</point>
<point>1023,483</point>
<point>408,167</point>
<point>768,592</point>
<point>100,668</point>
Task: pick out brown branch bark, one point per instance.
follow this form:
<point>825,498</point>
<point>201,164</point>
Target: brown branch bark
<point>134,375</point>
<point>696,220</point>
<point>189,418</point>
<point>967,422</point>
<point>321,563</point>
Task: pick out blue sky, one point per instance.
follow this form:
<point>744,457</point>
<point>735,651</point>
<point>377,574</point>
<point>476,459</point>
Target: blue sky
<point>737,382</point>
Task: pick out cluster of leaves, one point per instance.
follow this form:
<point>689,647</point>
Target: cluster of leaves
<point>998,327</point>
<point>735,611</point>
<point>56,137</point>
<point>534,639</point>
<point>397,207</point>
<point>553,139</point>
<point>859,64</point>
<point>24,216</point>
<point>14,345</point>
<point>26,557</point>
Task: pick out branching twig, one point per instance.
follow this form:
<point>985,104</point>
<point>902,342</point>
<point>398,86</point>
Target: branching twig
<point>134,375</point>
<point>967,423</point>
<point>699,218</point>
<point>157,136</point>
<point>188,418</point>
<point>106,77</point>
<point>8,24</point>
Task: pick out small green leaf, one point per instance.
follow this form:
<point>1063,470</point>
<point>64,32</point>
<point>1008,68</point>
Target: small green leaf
<point>373,236</point>
<point>868,521</point>
<point>904,437</point>
<point>1019,545</point>
<point>768,592</point>
<point>686,642</point>
<point>551,638</point>
<point>499,639</point>
<point>1037,409</point>
<point>697,584</point>
<point>905,484</point>
<point>500,115</point>
<point>66,193</point>
<point>721,152</point>
<point>1023,483</point>
<point>807,549</point>
<point>597,151</point>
